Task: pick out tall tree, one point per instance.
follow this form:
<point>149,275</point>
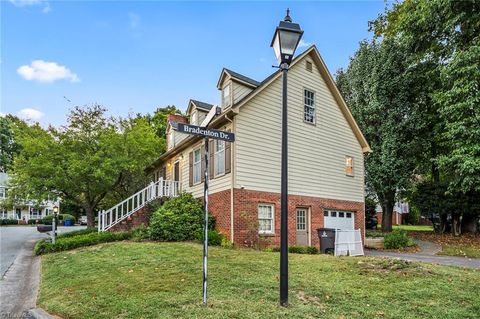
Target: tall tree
<point>85,160</point>
<point>8,145</point>
<point>443,37</point>
<point>379,87</point>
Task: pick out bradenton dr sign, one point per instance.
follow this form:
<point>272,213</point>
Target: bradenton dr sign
<point>206,132</point>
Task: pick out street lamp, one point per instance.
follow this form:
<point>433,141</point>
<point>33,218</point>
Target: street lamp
<point>54,226</point>
<point>284,43</point>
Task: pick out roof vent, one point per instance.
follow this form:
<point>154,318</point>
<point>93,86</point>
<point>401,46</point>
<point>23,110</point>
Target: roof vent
<point>309,66</point>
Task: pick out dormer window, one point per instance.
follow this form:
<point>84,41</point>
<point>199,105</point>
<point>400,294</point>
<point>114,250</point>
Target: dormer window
<point>226,95</point>
<point>194,118</point>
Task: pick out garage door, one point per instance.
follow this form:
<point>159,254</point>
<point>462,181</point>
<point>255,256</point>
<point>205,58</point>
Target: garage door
<point>339,219</point>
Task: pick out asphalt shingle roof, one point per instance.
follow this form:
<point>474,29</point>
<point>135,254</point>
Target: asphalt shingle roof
<point>242,77</point>
<point>202,105</point>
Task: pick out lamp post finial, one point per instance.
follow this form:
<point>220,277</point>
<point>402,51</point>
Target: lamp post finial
<point>287,17</point>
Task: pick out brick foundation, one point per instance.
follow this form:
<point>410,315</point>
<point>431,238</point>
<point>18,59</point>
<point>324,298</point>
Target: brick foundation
<point>142,216</point>
<point>246,214</point>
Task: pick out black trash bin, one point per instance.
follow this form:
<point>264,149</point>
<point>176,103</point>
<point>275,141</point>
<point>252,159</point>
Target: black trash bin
<point>326,237</point>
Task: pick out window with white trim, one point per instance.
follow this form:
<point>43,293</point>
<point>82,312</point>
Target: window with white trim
<point>266,223</point>
<point>349,165</point>
<point>197,166</point>
<point>219,157</point>
<point>194,118</point>
<point>309,106</point>
<point>3,192</point>
<point>226,96</point>
<point>301,219</point>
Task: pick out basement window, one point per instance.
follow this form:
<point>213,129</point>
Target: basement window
<point>266,219</point>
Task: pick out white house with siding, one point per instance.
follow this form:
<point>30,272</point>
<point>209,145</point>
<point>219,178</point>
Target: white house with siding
<point>25,210</point>
<point>325,164</point>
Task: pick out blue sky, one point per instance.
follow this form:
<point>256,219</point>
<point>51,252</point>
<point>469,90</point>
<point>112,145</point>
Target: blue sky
<point>133,56</point>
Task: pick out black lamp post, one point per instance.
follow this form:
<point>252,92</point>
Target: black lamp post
<point>284,43</point>
<point>55,222</point>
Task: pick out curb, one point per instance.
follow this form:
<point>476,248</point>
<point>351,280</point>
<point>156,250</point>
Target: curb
<point>39,313</point>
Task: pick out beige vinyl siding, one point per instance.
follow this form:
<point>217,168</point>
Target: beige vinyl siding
<point>240,91</point>
<point>216,185</point>
<point>316,152</point>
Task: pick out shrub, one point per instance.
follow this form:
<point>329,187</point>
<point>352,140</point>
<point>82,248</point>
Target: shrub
<point>227,243</point>
<point>397,239</point>
<point>72,242</point>
<point>179,219</point>
<point>214,238</point>
<point>47,220</point>
<point>77,233</point>
<point>302,250</point>
<point>141,233</point>
<point>32,221</point>
<point>8,222</point>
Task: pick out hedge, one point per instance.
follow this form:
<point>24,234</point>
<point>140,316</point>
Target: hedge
<point>8,222</point>
<point>76,241</point>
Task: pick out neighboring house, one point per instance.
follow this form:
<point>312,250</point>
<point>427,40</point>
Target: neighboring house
<point>400,211</point>
<point>27,209</point>
<point>325,149</point>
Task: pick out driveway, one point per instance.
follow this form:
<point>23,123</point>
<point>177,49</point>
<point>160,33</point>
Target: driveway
<point>20,270</point>
<point>428,254</point>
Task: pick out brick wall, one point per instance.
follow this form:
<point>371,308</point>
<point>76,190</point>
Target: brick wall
<point>142,216</point>
<point>246,216</point>
<point>397,218</point>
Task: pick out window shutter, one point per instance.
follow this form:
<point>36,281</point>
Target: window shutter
<point>202,152</point>
<point>228,156</point>
<point>211,163</point>
<point>190,169</point>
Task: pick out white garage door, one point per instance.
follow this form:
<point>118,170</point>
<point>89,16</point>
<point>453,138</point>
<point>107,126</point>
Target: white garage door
<point>339,219</point>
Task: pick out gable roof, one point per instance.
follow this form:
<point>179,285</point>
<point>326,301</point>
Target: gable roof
<point>237,76</point>
<point>199,105</point>
<point>313,52</point>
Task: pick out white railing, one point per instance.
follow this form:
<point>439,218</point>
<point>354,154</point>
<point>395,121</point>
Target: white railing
<point>162,188</point>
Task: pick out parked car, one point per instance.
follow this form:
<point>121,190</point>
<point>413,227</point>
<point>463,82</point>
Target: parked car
<point>371,223</point>
<point>83,220</point>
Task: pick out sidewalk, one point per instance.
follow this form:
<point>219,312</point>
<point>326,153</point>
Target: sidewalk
<point>20,284</point>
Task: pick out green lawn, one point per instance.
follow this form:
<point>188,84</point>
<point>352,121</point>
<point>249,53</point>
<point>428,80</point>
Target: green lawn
<point>163,280</point>
<point>414,228</point>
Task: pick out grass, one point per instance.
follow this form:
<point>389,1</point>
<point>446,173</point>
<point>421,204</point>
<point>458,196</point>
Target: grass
<point>164,280</point>
<point>416,228</point>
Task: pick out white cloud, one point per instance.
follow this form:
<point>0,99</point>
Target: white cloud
<point>134,20</point>
<point>23,3</point>
<point>2,114</point>
<point>30,114</point>
<point>47,72</point>
<point>303,44</point>
<point>46,8</point>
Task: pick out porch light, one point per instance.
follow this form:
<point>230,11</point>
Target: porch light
<point>286,39</point>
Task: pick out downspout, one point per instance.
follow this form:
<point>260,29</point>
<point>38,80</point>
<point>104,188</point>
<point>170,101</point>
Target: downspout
<point>232,183</point>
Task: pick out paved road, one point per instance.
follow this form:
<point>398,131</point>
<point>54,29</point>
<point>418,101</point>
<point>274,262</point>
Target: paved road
<point>12,238</point>
<point>20,272</point>
<point>442,260</point>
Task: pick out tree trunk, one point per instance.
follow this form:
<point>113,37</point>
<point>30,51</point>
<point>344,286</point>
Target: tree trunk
<point>387,217</point>
<point>456,224</point>
<point>470,224</point>
<point>90,216</point>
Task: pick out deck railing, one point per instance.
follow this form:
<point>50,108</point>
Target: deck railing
<point>162,188</point>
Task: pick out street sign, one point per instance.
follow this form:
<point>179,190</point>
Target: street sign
<point>206,132</point>
<point>217,135</point>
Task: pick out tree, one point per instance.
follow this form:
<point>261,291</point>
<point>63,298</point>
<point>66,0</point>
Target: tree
<point>379,88</point>
<point>85,160</point>
<point>443,39</point>
<point>8,146</point>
